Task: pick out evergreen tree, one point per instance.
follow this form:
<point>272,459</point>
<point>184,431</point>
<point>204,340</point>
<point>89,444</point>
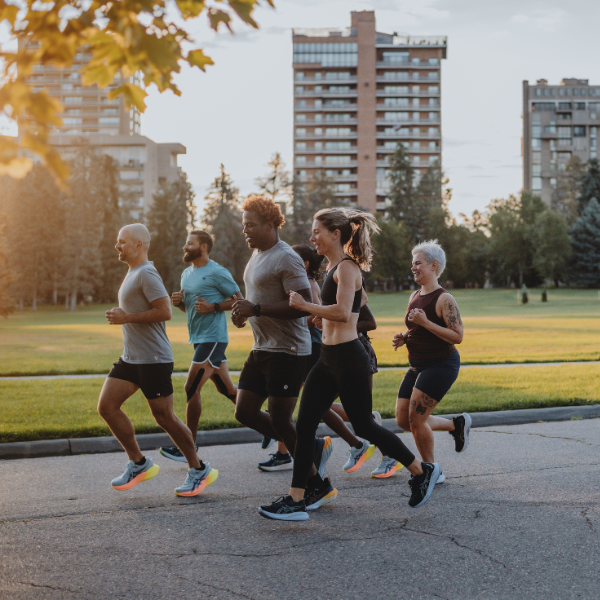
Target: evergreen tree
<point>277,183</point>
<point>170,217</point>
<point>223,219</point>
<point>552,247</point>
<point>401,177</point>
<point>589,185</point>
<point>392,262</point>
<point>564,195</point>
<point>585,239</point>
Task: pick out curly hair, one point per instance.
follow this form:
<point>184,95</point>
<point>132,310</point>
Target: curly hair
<point>266,209</point>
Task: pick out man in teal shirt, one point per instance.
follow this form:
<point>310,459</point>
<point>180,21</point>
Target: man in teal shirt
<point>207,291</point>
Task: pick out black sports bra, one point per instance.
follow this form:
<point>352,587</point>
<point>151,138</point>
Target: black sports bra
<point>329,290</point>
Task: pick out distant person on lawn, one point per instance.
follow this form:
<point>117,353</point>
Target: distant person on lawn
<point>207,291</point>
<point>146,364</point>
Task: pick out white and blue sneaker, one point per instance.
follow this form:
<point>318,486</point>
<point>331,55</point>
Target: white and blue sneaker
<point>284,509</point>
<point>277,462</point>
<point>358,456</point>
<point>172,452</point>
<point>135,474</point>
<point>386,468</point>
<point>197,480</point>
<point>323,450</point>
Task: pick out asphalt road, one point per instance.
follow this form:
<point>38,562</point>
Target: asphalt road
<point>518,517</point>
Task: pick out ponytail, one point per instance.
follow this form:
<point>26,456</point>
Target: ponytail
<point>356,228</point>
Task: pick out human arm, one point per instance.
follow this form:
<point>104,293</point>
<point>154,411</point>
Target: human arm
<point>316,296</point>
<point>399,340</point>
<point>276,310</point>
<point>202,306</point>
<point>160,312</point>
<point>446,308</point>
<point>341,311</point>
<point>366,320</point>
<point>177,299</point>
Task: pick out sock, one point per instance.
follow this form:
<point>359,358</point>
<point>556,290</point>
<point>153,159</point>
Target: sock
<point>314,482</point>
<point>202,466</point>
<point>282,455</point>
<point>141,462</point>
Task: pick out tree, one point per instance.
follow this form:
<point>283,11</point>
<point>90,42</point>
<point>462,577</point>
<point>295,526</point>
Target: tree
<point>277,183</point>
<point>585,238</point>
<point>7,302</point>
<point>123,38</point>
<point>564,195</point>
<point>552,247</point>
<point>589,185</point>
<point>223,219</point>
<point>401,179</point>
<point>170,218</point>
<point>392,255</point>
<point>426,197</point>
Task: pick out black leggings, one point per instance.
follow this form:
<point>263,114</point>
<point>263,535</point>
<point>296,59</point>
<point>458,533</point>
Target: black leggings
<point>342,370</point>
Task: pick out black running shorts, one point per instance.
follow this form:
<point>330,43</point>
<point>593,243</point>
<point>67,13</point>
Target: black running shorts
<point>273,374</point>
<point>154,379</point>
<point>433,377</point>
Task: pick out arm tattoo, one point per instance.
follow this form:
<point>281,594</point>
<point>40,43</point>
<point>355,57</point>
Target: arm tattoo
<point>453,318</point>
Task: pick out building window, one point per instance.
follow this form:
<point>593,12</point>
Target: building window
<point>299,89</point>
<point>575,92</point>
<point>536,131</point>
<point>536,184</point>
<point>395,102</point>
<point>390,146</point>
<point>396,75</point>
<point>433,75</point>
<point>318,146</point>
<point>550,129</point>
<point>536,170</point>
<point>579,131</point>
<point>433,131</point>
<point>396,116</point>
<point>109,121</point>
<point>564,132</point>
<point>300,118</point>
<point>300,160</point>
<point>299,75</point>
<point>72,121</point>
<point>433,145</point>
<point>338,145</point>
<point>337,160</point>
<point>300,145</point>
<point>536,157</point>
<point>579,106</point>
<point>301,173</point>
<point>395,57</point>
<point>434,61</point>
<point>396,89</point>
<point>300,132</point>
<point>433,89</point>
<point>536,143</point>
<point>318,131</point>
<point>433,116</point>
<point>318,160</point>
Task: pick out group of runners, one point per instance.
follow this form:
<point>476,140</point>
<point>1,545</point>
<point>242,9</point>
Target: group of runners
<point>305,338</point>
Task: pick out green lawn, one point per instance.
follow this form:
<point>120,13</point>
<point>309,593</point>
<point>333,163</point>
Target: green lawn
<point>67,407</point>
<point>497,329</point>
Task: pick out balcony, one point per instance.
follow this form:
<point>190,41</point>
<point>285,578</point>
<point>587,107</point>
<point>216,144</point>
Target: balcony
<point>313,108</point>
<point>381,79</point>
<point>312,136</point>
<point>324,94</point>
<point>321,81</point>
<point>384,150</point>
<point>422,165</point>
<point>351,192</point>
<point>334,178</point>
<point>426,94</point>
<point>397,135</point>
<point>409,122</point>
<point>383,64</point>
<point>323,165</point>
<point>325,123</point>
<point>352,150</point>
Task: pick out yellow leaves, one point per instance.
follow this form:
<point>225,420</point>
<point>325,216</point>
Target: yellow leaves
<point>197,58</point>
<point>244,9</point>
<point>9,13</point>
<point>217,16</point>
<point>16,167</point>
<point>132,94</point>
<point>190,8</point>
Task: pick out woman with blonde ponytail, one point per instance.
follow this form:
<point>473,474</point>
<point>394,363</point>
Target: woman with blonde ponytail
<point>343,236</point>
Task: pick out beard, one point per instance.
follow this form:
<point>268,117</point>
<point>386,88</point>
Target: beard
<point>192,255</point>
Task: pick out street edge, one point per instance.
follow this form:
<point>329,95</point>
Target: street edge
<point>220,437</point>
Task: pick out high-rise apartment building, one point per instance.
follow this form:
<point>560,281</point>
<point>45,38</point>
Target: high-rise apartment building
<point>559,121</point>
<point>91,118</point>
<point>358,94</point>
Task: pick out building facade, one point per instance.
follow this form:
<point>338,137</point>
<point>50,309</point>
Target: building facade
<point>90,117</point>
<point>358,94</point>
<point>559,122</point>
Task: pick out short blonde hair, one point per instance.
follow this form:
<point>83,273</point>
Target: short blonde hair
<point>434,253</point>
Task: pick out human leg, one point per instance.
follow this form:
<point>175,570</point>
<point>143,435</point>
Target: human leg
<point>198,375</point>
<point>223,383</point>
<point>248,412</point>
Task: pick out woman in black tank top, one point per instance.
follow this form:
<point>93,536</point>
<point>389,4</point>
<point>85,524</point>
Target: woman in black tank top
<point>434,328</point>
<point>343,236</point>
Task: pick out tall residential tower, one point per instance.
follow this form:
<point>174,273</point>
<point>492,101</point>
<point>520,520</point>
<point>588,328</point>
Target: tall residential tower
<point>357,94</point>
<point>559,121</point>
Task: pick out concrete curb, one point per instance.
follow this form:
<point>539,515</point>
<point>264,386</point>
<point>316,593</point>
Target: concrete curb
<point>242,435</point>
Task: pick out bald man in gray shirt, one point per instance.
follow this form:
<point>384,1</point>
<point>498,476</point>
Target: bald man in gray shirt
<point>146,364</point>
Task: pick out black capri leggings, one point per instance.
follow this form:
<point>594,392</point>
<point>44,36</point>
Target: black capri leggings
<point>342,370</point>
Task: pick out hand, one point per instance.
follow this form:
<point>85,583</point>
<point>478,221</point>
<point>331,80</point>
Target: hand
<point>297,301</point>
<point>116,316</point>
<point>398,341</point>
<point>317,322</point>
<point>202,306</point>
<point>239,322</point>
<point>177,297</point>
<point>243,309</point>
<point>418,316</point>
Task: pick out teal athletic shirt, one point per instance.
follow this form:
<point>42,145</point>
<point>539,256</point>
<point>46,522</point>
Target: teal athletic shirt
<point>214,283</point>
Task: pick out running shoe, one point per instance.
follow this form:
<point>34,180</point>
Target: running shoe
<point>323,450</point>
<point>358,456</point>
<point>267,442</point>
<point>135,474</point>
<point>277,462</point>
<point>441,478</point>
<point>377,417</point>
<point>462,427</point>
<point>422,485</point>
<point>173,452</point>
<point>320,496</point>
<point>387,467</point>
<point>197,480</point>
<point>284,509</point>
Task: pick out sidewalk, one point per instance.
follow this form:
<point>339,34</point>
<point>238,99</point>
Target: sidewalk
<point>518,517</point>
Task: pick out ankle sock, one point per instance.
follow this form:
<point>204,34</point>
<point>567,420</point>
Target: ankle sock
<point>141,462</point>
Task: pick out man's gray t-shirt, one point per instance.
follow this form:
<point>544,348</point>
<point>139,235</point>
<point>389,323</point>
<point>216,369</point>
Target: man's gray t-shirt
<point>269,276</point>
<point>143,342</point>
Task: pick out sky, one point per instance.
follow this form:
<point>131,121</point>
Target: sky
<point>240,111</point>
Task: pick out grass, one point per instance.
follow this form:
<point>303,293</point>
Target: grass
<point>34,410</point>
<point>497,330</point>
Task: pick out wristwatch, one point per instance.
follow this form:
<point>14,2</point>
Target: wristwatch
<point>256,309</point>
<point>217,306</point>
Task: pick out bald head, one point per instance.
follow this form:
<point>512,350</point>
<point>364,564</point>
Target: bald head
<point>133,243</point>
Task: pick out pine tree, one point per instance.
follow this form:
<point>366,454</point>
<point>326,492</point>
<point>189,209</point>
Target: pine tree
<point>552,247</point>
<point>401,177</point>
<point>170,218</point>
<point>589,185</point>
<point>585,239</point>
<point>223,219</point>
<point>426,197</point>
<point>277,183</point>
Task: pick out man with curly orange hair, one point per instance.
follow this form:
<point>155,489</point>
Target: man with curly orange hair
<point>275,366</point>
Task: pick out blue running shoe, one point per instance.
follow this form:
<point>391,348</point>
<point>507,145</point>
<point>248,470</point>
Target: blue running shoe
<point>320,496</point>
<point>284,509</point>
<point>135,474</point>
<point>267,442</point>
<point>422,485</point>
<point>277,462</point>
<point>197,480</point>
<point>323,450</point>
<point>172,452</point>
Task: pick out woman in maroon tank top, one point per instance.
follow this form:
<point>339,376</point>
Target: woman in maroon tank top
<point>434,327</point>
